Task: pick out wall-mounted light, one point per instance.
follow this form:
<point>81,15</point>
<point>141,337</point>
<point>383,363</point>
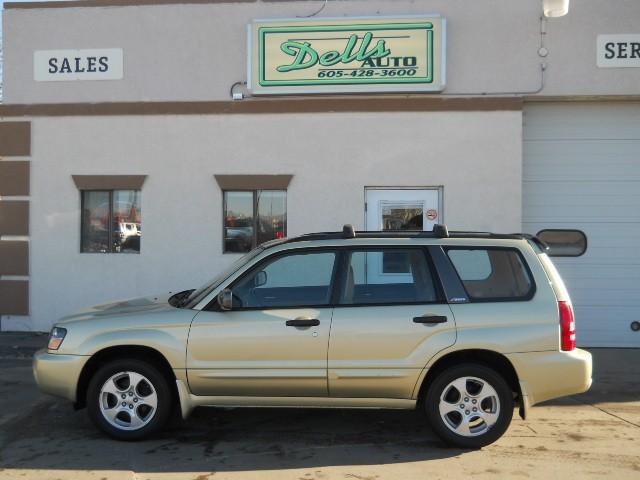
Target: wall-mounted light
<point>555,8</point>
<point>237,95</point>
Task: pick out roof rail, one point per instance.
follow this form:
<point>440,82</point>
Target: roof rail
<point>439,231</point>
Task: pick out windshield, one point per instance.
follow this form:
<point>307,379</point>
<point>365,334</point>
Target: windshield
<point>199,294</point>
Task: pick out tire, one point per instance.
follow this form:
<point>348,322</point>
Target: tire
<point>451,413</point>
<point>129,399</point>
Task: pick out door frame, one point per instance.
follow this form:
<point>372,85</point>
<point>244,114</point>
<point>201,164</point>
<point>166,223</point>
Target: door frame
<point>439,188</point>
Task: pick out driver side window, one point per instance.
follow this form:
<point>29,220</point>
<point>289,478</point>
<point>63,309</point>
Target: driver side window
<point>295,280</point>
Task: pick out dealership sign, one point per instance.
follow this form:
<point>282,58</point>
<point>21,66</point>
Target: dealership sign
<point>618,51</point>
<point>381,54</point>
<point>89,64</point>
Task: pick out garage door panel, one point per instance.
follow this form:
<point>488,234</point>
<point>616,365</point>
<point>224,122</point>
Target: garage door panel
<point>582,121</point>
<point>584,200</point>
<point>599,296</point>
<point>605,326</point>
<point>582,170</point>
<point>600,211</point>
<point>598,231</point>
<point>593,285</point>
<point>627,272</point>
<point>571,188</point>
<point>590,149</point>
<point>583,161</point>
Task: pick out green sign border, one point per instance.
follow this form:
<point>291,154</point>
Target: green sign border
<point>264,31</point>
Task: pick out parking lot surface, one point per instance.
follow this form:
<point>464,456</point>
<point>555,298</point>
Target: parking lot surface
<point>591,435</point>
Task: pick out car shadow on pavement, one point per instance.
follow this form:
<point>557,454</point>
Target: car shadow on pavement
<point>53,437</point>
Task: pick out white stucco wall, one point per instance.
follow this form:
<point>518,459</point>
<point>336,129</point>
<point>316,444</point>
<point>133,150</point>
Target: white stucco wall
<point>196,52</point>
<point>476,156</point>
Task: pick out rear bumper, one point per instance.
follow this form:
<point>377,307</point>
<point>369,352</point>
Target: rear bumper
<point>58,374</point>
<point>547,375</point>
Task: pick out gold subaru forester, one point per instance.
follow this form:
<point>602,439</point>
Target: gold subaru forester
<point>462,325</point>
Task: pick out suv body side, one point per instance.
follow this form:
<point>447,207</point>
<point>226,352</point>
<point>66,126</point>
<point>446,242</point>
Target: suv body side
<point>524,331</point>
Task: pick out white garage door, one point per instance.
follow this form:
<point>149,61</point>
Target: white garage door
<point>582,170</point>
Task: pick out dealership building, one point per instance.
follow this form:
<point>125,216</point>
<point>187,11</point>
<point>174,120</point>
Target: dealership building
<point>145,144</point>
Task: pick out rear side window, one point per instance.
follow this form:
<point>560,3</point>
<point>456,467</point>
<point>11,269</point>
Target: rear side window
<point>492,274</point>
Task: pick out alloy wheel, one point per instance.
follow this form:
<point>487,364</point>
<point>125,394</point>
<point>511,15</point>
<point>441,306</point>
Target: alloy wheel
<point>469,406</point>
<point>128,401</point>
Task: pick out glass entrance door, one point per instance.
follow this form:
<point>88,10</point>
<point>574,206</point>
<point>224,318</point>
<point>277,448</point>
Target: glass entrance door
<point>398,209</point>
<point>402,209</point>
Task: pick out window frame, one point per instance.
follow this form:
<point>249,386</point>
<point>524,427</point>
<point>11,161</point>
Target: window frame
<point>110,229</point>
<point>523,298</point>
<point>254,192</point>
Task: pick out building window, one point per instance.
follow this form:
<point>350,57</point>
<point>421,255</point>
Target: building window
<point>252,217</point>
<point>564,243</point>
<point>111,221</point>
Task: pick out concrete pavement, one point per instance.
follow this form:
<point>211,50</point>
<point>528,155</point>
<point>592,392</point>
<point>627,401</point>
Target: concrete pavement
<point>586,436</point>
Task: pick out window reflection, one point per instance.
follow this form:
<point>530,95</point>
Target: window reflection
<point>95,222</point>
<point>272,215</point>
<point>111,221</point>
<point>126,221</point>
<point>402,216</point>
<point>253,217</point>
<point>238,221</point>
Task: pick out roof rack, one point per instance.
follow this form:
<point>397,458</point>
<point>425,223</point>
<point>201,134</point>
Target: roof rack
<point>439,231</point>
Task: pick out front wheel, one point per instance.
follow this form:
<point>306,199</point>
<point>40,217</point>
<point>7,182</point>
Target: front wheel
<point>129,399</point>
<point>469,406</point>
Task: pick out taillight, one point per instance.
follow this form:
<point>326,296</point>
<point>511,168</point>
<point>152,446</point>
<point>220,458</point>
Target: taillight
<point>567,327</point>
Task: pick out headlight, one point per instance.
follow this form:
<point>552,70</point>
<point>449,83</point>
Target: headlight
<point>56,337</point>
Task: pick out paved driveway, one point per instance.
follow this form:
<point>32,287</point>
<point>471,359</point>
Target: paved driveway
<point>587,436</point>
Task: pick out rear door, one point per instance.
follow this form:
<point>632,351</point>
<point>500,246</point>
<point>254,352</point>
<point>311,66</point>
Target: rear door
<point>389,319</point>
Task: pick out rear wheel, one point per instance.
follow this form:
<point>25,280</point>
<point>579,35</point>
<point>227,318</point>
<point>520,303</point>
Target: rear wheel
<point>469,406</point>
<point>129,399</point>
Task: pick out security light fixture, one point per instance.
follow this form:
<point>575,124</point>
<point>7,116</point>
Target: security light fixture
<point>555,8</point>
<point>237,95</point>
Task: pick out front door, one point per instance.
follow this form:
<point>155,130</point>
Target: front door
<point>402,209</point>
<point>274,340</point>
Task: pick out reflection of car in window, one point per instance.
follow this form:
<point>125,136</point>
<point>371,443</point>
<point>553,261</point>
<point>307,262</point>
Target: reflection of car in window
<point>238,234</point>
<point>126,236</point>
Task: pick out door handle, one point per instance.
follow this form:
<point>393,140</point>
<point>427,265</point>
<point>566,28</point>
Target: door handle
<point>303,322</point>
<point>431,319</point>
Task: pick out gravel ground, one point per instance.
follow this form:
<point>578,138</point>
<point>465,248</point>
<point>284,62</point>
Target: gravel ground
<point>592,435</point>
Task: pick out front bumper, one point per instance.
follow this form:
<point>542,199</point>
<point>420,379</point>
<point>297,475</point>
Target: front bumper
<point>547,375</point>
<point>58,374</point>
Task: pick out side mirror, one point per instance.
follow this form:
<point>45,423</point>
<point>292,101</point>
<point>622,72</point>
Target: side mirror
<point>225,299</point>
<point>260,279</point>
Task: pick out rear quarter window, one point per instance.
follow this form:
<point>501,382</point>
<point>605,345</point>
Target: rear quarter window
<point>492,274</point>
